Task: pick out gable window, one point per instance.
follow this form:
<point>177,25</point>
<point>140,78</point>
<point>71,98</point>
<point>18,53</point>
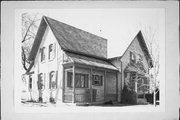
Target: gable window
<point>52,48</point>
<point>30,82</point>
<point>81,80</point>
<point>42,50</point>
<point>132,57</point>
<point>41,81</point>
<point>97,80</point>
<point>140,58</point>
<point>52,80</point>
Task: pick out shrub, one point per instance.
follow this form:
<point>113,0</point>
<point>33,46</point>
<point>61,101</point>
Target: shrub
<point>150,96</point>
<point>128,96</point>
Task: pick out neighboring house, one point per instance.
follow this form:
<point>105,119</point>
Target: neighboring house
<point>134,65</point>
<point>71,65</point>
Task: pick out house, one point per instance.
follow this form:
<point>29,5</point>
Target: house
<point>135,64</point>
<point>70,65</point>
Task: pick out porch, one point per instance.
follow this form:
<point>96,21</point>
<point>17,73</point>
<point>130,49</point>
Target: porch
<point>137,80</point>
<point>89,80</point>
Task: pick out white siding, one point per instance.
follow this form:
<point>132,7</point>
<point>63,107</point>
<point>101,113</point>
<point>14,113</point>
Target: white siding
<point>49,65</point>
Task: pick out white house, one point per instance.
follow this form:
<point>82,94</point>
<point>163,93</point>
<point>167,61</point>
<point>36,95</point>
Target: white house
<point>71,65</point>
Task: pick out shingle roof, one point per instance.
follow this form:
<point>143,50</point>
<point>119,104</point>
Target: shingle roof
<point>71,39</point>
<point>80,59</point>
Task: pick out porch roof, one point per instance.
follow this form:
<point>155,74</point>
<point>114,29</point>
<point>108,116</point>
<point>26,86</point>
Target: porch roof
<point>102,63</point>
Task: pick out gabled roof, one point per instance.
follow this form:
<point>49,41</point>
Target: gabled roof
<point>144,48</point>
<point>71,39</point>
<point>85,60</point>
<point>143,45</point>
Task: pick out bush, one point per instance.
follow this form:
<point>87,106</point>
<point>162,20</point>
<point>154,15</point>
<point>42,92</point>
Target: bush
<point>150,96</point>
<point>128,96</point>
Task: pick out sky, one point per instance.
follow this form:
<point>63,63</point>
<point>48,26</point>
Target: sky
<point>118,26</point>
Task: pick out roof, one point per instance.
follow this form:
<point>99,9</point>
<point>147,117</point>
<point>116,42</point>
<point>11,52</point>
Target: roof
<point>143,45</point>
<point>71,39</point>
<point>80,59</point>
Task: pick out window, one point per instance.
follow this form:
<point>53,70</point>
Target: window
<point>40,82</point>
<point>30,82</point>
<point>132,57</point>
<point>140,58</point>
<point>52,80</point>
<point>52,48</point>
<point>97,80</point>
<point>42,50</point>
<point>69,79</point>
<point>81,80</point>
<point>133,80</point>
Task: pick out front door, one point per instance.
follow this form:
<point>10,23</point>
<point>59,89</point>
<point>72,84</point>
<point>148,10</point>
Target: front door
<point>97,88</point>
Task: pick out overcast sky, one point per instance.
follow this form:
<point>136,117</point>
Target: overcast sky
<point>119,26</point>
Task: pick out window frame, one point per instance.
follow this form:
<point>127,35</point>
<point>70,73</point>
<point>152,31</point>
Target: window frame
<point>132,57</point>
<point>78,80</point>
<point>50,56</point>
<point>43,54</point>
<point>30,82</point>
<point>69,79</point>
<point>97,80</point>
<point>85,80</point>
<point>51,78</point>
<point>132,80</point>
<point>43,81</point>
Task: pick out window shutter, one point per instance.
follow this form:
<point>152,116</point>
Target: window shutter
<point>54,50</point>
<point>56,79</point>
<point>50,80</point>
<point>41,53</point>
<point>130,56</point>
<point>44,49</point>
<point>101,81</point>
<point>50,50</point>
<point>134,58</point>
<point>44,81</point>
<point>92,79</point>
<point>30,82</point>
<point>69,79</point>
<point>86,81</point>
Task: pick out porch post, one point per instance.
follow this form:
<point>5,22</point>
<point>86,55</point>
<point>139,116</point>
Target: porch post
<point>105,73</point>
<point>136,87</point>
<point>136,83</point>
<point>73,93</point>
<point>63,84</point>
<point>117,93</point>
<point>90,85</point>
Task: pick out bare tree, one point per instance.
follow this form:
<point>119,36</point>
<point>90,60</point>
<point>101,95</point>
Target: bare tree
<point>150,35</point>
<point>29,29</point>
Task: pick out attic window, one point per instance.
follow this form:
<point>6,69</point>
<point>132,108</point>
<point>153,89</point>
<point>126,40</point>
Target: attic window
<point>42,50</point>
<point>52,48</point>
<point>132,57</point>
